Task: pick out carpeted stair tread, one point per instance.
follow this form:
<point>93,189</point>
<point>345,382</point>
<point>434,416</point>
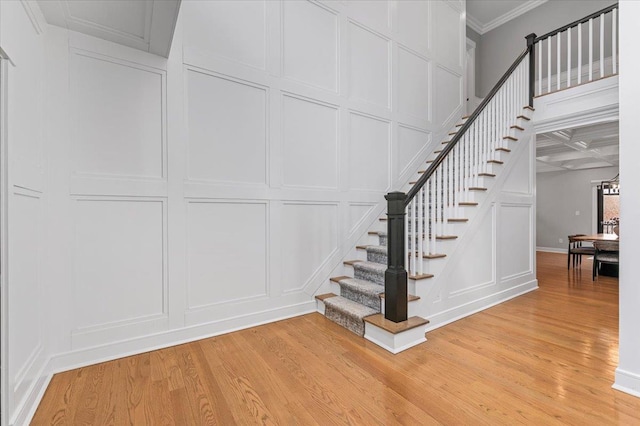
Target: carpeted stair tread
<point>347,313</point>
<point>362,286</point>
<point>377,254</point>
<point>370,271</point>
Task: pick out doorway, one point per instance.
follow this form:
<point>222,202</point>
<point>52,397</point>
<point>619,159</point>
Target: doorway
<point>470,77</point>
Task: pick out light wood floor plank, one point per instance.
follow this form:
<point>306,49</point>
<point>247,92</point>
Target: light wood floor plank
<point>547,357</point>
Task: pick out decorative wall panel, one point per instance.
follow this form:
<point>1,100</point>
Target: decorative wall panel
<point>369,144</point>
<point>119,261</point>
<point>448,88</point>
<point>357,213</point>
<point>369,66</point>
<point>413,85</point>
<point>227,252</point>
<point>449,30</point>
<point>410,143</point>
<point>310,237</point>
<point>520,178</point>
<point>227,120</point>
<point>480,252</point>
<point>414,24</point>
<point>310,143</point>
<point>515,225</point>
<point>374,13</point>
<point>310,42</point>
<point>118,118</point>
<point>24,293</point>
<point>234,30</point>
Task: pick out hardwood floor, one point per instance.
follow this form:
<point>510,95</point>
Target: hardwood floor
<point>547,357</point>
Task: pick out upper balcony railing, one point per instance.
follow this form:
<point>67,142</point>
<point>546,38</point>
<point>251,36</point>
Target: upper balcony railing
<point>580,52</point>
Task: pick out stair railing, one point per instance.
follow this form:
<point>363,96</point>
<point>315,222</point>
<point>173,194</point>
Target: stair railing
<point>579,57</point>
<point>416,221</point>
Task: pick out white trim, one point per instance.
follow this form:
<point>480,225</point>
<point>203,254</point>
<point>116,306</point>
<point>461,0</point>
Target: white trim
<point>627,382</point>
<point>603,114</point>
<point>35,15</point>
<point>474,24</point>
<point>551,250</point>
<point>481,29</point>
<point>482,304</point>
<point>4,341</point>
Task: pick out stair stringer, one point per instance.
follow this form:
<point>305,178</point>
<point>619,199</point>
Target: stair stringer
<point>437,302</point>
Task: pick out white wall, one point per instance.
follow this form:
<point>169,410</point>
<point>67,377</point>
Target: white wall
<point>628,371</point>
<point>219,188</point>
<point>25,337</point>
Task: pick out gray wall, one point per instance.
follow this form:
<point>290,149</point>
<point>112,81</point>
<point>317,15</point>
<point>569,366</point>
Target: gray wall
<point>559,195</point>
<point>502,45</point>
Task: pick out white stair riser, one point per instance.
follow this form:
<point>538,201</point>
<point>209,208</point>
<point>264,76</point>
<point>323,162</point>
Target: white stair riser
<point>413,307</point>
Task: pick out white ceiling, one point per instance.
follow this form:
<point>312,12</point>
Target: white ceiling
<point>585,147</point>
<point>485,15</point>
<point>143,24</point>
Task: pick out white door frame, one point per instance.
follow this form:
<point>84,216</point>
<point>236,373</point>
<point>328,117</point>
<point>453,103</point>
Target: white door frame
<point>4,407</point>
<point>470,76</point>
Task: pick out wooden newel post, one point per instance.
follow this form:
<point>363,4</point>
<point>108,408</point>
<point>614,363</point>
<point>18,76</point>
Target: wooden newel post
<point>531,45</point>
<point>395,277</point>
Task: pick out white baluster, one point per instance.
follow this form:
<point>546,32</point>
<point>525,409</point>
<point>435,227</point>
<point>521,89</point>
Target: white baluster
<point>569,57</point>
<point>413,262</point>
<point>456,189</point>
<point>558,70</point>
<point>590,49</point>
<point>602,45</point>
<point>540,46</point>
<point>420,230</point>
<point>614,40</point>
<point>438,175</point>
<point>579,53</point>
<point>548,64</point>
<point>446,202</point>
<point>432,211</point>
<point>407,239</point>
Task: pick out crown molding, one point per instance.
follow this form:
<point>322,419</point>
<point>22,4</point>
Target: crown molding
<point>474,24</point>
<point>481,29</point>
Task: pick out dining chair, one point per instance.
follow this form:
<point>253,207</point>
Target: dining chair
<point>606,252</point>
<point>576,250</point>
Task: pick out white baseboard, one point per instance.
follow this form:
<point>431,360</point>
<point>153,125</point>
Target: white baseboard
<point>89,356</point>
<point>26,409</point>
<point>552,250</point>
<point>627,382</point>
<point>459,312</point>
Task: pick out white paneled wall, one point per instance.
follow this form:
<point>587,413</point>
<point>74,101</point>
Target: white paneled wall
<point>220,187</point>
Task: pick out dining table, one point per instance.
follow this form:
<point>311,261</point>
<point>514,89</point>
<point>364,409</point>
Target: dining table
<point>605,269</point>
<point>598,237</point>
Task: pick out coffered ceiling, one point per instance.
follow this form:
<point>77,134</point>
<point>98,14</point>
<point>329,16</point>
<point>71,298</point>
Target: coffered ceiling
<point>585,147</point>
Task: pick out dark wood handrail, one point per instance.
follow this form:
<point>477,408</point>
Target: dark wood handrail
<point>579,21</point>
<point>440,158</point>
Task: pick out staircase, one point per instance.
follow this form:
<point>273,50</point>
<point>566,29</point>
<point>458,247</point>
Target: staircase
<point>386,296</point>
<point>359,299</point>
